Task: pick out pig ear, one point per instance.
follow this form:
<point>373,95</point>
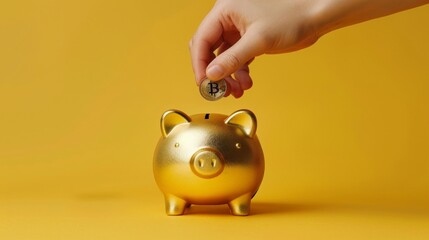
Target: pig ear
<point>170,119</point>
<point>243,119</point>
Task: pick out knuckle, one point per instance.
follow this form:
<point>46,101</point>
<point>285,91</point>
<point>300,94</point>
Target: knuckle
<point>266,43</point>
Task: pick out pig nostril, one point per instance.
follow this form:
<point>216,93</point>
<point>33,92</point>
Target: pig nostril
<point>200,163</point>
<point>207,163</point>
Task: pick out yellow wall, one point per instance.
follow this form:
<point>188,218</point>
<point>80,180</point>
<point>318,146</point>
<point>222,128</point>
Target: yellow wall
<point>83,85</point>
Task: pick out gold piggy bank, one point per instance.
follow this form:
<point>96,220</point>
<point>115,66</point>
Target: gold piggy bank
<point>208,159</point>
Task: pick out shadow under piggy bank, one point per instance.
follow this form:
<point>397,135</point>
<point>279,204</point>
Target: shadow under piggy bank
<point>257,208</point>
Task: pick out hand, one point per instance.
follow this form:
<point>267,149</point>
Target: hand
<point>240,30</point>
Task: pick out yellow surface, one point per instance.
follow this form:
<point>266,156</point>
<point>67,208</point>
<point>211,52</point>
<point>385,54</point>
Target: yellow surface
<point>344,126</point>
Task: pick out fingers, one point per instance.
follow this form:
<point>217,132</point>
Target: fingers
<point>235,57</point>
<point>241,82</point>
<point>241,79</point>
<point>242,75</point>
<point>235,53</point>
<point>234,88</point>
<point>206,39</point>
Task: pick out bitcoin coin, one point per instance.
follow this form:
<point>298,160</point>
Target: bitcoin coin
<point>212,90</point>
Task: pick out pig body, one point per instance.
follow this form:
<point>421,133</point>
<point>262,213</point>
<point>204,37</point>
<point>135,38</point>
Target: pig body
<point>208,159</point>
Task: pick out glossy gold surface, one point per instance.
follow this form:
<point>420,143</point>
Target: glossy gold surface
<point>207,163</point>
<point>208,159</point>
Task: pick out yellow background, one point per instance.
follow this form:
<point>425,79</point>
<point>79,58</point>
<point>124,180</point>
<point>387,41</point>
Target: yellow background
<point>344,126</point>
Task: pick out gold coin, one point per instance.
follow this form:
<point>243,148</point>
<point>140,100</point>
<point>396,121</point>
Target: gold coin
<point>213,90</point>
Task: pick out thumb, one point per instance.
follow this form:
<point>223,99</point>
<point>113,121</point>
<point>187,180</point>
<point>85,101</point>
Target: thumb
<point>234,57</point>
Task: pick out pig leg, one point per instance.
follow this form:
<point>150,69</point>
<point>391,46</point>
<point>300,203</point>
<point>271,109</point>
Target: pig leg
<point>241,205</point>
<point>174,205</point>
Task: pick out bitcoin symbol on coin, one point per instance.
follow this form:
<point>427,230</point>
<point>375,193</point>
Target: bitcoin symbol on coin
<point>213,91</point>
<point>214,88</point>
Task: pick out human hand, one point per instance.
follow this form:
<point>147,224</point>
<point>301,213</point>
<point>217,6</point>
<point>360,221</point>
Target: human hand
<point>240,30</point>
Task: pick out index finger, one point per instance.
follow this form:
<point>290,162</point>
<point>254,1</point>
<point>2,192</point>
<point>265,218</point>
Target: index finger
<point>207,38</point>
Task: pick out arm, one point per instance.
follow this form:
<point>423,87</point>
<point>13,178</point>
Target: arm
<point>240,30</point>
<point>336,14</point>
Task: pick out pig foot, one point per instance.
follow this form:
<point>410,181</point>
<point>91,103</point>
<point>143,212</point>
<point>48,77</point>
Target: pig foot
<point>241,205</point>
<point>175,206</point>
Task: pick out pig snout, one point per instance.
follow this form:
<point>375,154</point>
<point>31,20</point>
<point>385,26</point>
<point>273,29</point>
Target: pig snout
<point>207,163</point>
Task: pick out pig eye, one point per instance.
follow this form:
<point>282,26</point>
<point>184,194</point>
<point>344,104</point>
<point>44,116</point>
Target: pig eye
<point>176,145</point>
<point>238,145</point>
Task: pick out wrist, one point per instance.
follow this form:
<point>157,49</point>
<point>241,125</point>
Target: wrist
<point>325,16</point>
<point>329,15</point>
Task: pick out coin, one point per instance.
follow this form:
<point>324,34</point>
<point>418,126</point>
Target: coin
<point>213,90</point>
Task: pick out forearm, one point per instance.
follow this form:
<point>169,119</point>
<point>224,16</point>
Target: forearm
<point>333,14</point>
<point>242,29</point>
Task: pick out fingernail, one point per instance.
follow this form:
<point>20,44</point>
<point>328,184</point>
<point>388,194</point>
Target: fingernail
<point>215,72</point>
